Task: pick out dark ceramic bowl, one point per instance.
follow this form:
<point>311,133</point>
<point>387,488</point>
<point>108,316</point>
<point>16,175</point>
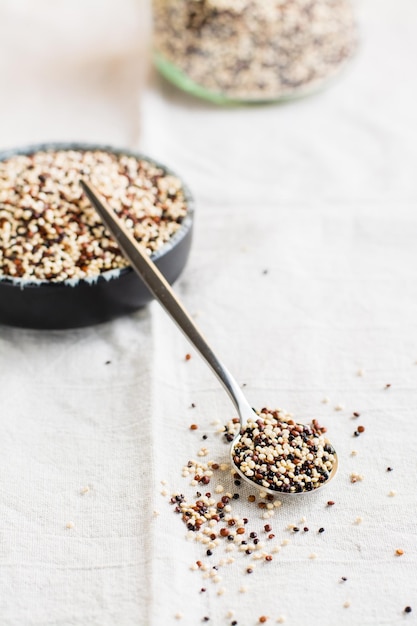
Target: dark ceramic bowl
<point>73,304</point>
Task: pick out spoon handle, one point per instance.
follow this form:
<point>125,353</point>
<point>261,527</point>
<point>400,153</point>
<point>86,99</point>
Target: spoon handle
<point>162,291</point>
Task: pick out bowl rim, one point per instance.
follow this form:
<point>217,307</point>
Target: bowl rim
<point>112,274</point>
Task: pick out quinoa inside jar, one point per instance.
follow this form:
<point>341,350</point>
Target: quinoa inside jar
<point>252,50</point>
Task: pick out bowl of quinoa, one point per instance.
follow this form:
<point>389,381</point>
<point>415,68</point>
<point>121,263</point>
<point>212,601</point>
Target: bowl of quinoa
<point>59,266</point>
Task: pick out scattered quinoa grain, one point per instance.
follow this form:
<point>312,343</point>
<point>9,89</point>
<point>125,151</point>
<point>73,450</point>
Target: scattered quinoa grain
<point>392,493</point>
<point>389,469</point>
<point>187,356</point>
<point>70,525</point>
<point>399,552</point>
<point>361,429</point>
<point>408,609</point>
<point>346,604</point>
<point>263,619</point>
<point>193,427</point>
<point>330,503</point>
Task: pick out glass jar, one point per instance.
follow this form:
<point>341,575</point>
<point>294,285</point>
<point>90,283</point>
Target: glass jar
<point>252,50</point>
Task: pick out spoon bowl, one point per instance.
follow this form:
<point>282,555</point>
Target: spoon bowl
<point>277,492</point>
<point>163,292</point>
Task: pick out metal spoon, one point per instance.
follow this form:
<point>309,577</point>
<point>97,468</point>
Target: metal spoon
<point>162,291</point>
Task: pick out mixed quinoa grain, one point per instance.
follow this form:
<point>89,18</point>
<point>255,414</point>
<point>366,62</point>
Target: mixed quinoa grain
<point>278,454</point>
<point>253,49</point>
<point>48,229</point>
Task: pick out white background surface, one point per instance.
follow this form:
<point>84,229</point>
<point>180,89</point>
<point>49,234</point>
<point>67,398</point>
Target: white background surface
<point>321,193</point>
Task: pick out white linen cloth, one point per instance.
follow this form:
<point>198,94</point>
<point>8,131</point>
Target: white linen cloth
<point>303,274</point>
